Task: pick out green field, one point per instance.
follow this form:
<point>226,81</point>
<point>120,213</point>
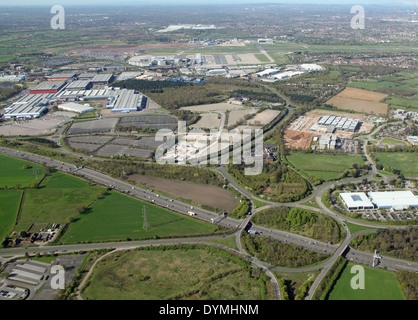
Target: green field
<point>393,141</point>
<point>323,166</point>
<point>60,197</point>
<point>379,285</point>
<point>406,162</point>
<point>118,217</point>
<point>13,172</point>
<point>183,273</point>
<point>9,205</point>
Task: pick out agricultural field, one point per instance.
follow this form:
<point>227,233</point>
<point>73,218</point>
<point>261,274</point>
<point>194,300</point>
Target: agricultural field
<point>10,200</point>
<point>263,118</point>
<point>238,115</point>
<point>69,194</point>
<point>223,106</point>
<point>379,285</point>
<point>208,195</point>
<point>362,101</point>
<point>16,171</point>
<point>179,273</point>
<point>323,166</point>
<point>404,161</point>
<point>118,217</point>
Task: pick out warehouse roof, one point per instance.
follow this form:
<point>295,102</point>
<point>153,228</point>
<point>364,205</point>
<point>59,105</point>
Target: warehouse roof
<point>394,199</point>
<point>356,200</point>
<point>75,107</point>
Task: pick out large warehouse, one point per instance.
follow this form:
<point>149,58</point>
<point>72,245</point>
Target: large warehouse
<point>29,106</point>
<point>396,200</point>
<point>128,100</point>
<point>75,107</point>
<point>392,200</point>
<point>48,87</point>
<point>356,201</point>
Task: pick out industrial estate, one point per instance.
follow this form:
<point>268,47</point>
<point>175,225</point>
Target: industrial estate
<point>90,209</point>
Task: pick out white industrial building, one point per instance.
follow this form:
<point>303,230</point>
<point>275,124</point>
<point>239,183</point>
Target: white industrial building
<point>356,201</point>
<point>29,106</point>
<point>396,200</point>
<point>392,200</point>
<point>75,107</point>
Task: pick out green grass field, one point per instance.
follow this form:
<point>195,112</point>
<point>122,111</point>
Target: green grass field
<point>323,166</point>
<point>118,217</point>
<point>393,141</point>
<point>59,197</point>
<point>179,274</point>
<point>9,205</point>
<point>12,172</point>
<point>404,161</point>
<point>379,285</point>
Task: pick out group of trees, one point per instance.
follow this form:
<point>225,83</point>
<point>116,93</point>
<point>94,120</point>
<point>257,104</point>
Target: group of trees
<point>123,169</point>
<point>277,182</point>
<point>399,243</point>
<point>301,221</point>
<point>242,210</point>
<point>278,253</point>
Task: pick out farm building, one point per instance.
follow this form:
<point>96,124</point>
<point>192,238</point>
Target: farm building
<point>356,201</point>
<point>75,107</point>
<point>48,87</point>
<point>395,200</point>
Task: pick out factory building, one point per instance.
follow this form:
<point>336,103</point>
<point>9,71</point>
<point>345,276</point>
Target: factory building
<point>29,106</point>
<point>75,107</point>
<point>67,76</point>
<point>127,100</point>
<point>339,123</point>
<point>48,87</point>
<point>391,200</point>
<point>356,201</point>
<point>394,200</point>
<point>79,85</point>
<point>103,79</point>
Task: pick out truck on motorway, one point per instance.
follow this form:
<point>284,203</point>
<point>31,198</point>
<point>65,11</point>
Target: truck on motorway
<point>252,232</point>
<point>192,214</point>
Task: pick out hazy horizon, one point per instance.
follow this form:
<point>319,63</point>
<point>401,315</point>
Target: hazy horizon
<point>202,2</point>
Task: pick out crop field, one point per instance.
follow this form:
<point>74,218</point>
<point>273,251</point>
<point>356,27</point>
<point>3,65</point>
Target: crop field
<point>404,161</point>
<point>359,100</point>
<point>102,125</point>
<point>16,171</point>
<point>118,217</point>
<point>9,200</point>
<point>69,194</point>
<point>379,285</point>
<point>323,166</point>
<point>179,274</point>
<point>212,196</point>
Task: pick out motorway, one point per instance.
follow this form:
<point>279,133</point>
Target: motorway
<point>236,226</point>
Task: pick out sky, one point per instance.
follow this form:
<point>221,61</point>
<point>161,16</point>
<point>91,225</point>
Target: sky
<point>194,2</point>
